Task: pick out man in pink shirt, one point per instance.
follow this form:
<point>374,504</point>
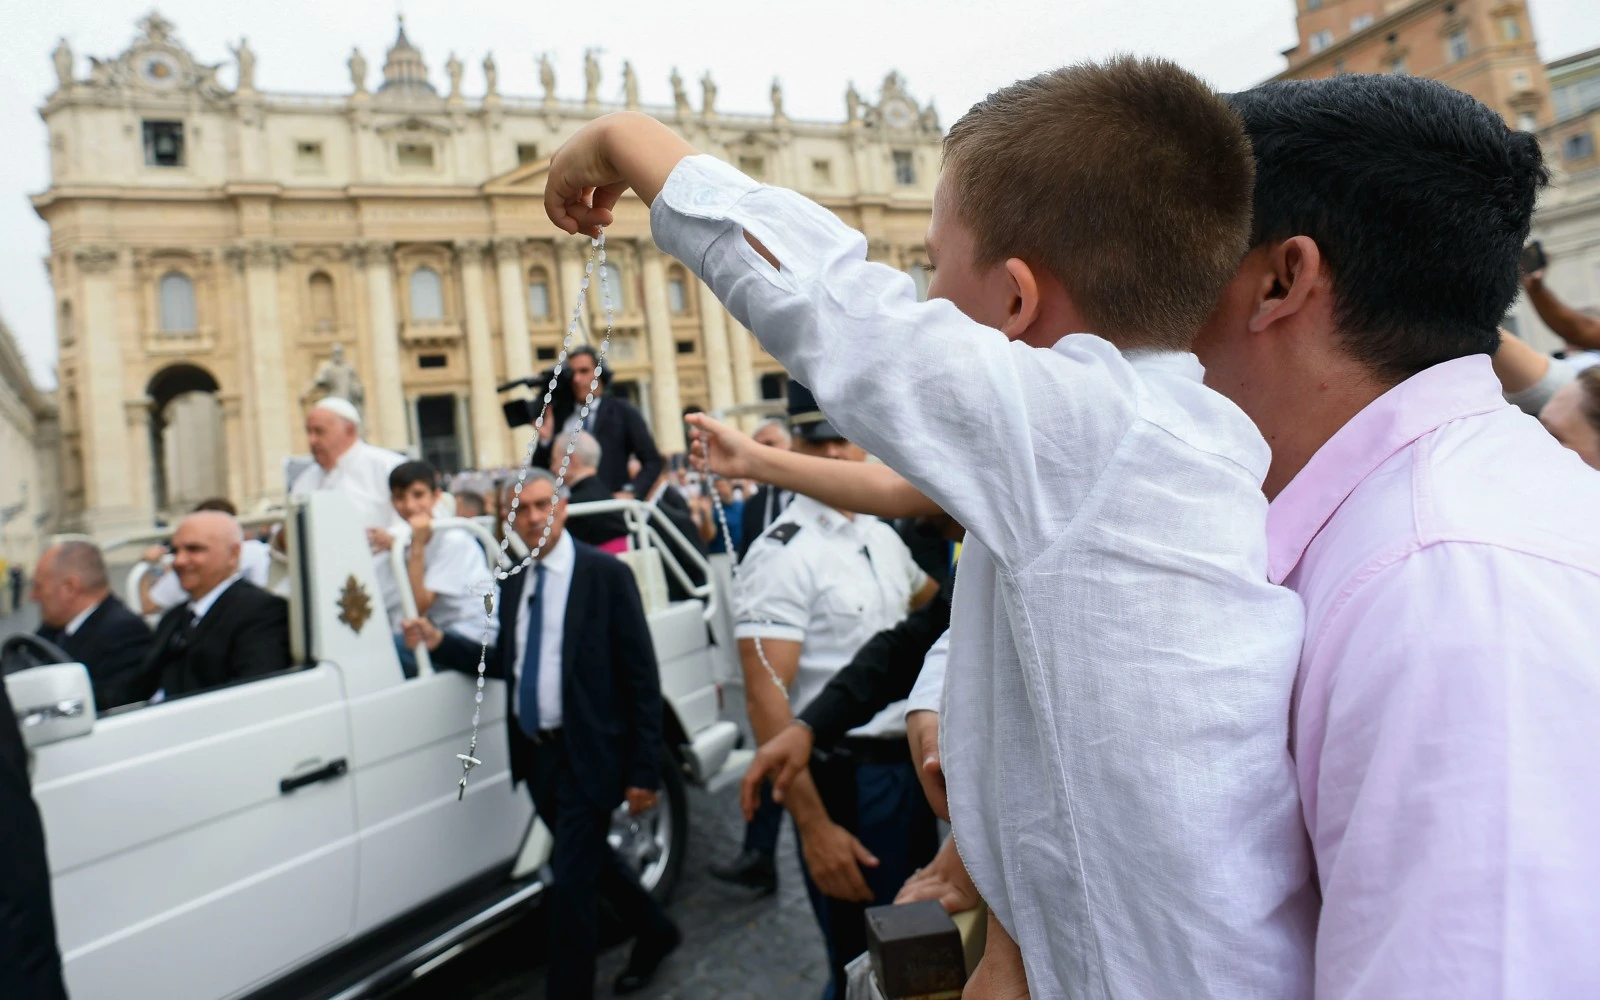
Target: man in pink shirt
<point>1448,698</point>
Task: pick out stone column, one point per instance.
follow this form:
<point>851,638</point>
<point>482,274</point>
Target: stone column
<point>514,324</point>
<point>488,450</point>
<point>666,405</point>
<point>239,482</point>
<point>267,364</point>
<point>714,339</point>
<point>386,415</point>
<point>570,256</point>
<point>140,457</point>
<point>110,502</point>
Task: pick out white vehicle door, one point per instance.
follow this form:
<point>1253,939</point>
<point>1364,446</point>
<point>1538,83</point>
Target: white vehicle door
<point>417,839</point>
<point>202,845</point>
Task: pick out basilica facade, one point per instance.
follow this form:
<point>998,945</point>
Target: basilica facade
<point>222,256</point>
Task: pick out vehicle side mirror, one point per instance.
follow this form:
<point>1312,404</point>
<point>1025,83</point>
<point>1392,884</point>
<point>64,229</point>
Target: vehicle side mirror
<point>52,703</point>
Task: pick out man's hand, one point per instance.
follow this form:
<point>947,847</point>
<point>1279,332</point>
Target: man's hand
<point>922,732</point>
<point>153,555</point>
<point>734,453</point>
<point>421,631</point>
<point>639,800</point>
<point>779,760</point>
<point>945,879</point>
<point>379,540</point>
<point>834,858</point>
<point>1533,279</point>
<point>421,531</point>
<point>1001,975</point>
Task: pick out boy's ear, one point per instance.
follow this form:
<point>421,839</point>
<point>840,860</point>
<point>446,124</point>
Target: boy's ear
<point>1022,293</point>
<point>1293,268</point>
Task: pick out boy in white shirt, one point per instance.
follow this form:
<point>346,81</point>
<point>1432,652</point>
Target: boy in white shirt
<point>448,570</point>
<point>1116,716</point>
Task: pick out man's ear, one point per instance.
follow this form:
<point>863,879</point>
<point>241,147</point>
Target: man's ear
<point>1022,298</point>
<point>1293,269</point>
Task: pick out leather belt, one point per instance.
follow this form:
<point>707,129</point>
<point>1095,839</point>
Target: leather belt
<point>874,750</point>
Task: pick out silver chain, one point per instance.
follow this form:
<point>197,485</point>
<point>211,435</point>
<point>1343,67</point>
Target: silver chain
<point>597,256</point>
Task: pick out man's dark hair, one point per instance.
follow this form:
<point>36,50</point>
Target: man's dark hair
<point>1418,197</point>
<point>1129,181</point>
<point>222,504</point>
<point>406,473</point>
<point>585,349</point>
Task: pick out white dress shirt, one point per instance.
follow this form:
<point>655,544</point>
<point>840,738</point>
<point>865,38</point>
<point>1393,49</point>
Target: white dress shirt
<point>1116,727</point>
<point>80,618</point>
<point>201,605</point>
<point>822,589</point>
<point>558,566</point>
<point>255,565</point>
<point>455,568</point>
<point>927,694</point>
<point>362,474</point>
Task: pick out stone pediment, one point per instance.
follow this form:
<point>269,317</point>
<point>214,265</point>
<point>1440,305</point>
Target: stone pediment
<point>413,125</point>
<point>526,180</point>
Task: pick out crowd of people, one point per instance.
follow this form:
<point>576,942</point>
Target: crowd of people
<point>1271,664</point>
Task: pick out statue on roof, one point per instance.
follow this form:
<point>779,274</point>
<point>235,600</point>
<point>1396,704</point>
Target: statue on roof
<point>63,59</point>
<point>491,77</point>
<point>630,86</point>
<point>591,78</point>
<point>708,95</point>
<point>777,100</point>
<point>547,78</point>
<point>452,69</point>
<point>247,66</point>
<point>680,96</point>
<point>358,71</point>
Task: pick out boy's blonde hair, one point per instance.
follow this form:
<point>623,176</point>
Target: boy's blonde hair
<point>1129,181</point>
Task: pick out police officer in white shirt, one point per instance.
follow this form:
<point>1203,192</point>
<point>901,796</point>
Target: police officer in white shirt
<point>350,465</point>
<point>813,589</point>
<point>448,571</point>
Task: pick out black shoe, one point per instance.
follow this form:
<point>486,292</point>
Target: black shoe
<point>648,953</point>
<point>751,869</point>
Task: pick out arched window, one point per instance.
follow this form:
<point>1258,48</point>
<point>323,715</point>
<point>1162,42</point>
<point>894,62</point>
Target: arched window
<point>324,315</point>
<point>678,292</point>
<point>65,330</point>
<point>538,294</point>
<point>427,294</point>
<point>177,303</point>
<point>613,287</point>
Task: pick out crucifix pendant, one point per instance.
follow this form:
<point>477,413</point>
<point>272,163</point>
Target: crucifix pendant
<point>468,762</point>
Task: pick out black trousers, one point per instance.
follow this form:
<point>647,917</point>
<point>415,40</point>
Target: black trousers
<point>585,868</point>
<point>30,965</point>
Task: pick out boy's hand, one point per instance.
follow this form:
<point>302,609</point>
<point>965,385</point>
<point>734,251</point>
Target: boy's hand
<point>379,540</point>
<point>734,454</point>
<point>421,530</point>
<point>606,157</point>
<point>421,632</point>
<point>922,732</point>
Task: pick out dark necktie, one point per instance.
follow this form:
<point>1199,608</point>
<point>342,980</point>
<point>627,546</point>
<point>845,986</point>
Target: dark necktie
<point>528,694</point>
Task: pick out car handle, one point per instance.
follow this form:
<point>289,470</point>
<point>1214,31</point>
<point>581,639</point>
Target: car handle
<point>40,714</point>
<point>334,769</point>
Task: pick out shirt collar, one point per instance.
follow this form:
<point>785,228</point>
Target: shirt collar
<point>561,558</point>
<point>201,605</point>
<point>805,511</point>
<point>83,616</point>
<point>1462,387</point>
<point>1180,363</point>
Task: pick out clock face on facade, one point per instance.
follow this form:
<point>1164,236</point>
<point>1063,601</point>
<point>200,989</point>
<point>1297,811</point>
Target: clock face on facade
<point>158,69</point>
<point>898,113</point>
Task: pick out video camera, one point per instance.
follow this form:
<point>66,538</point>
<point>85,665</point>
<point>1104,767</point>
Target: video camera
<point>522,412</point>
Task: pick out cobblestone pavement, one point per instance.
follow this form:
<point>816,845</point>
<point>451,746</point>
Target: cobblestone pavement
<point>735,947</point>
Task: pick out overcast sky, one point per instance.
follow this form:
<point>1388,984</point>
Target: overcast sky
<point>952,51</point>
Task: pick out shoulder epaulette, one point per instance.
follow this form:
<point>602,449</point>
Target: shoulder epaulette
<point>784,532</point>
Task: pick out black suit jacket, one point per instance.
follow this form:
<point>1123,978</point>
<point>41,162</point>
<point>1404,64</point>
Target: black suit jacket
<point>622,433</point>
<point>111,642</point>
<point>30,965</point>
<point>599,528</point>
<point>610,685</point>
<point>760,510</point>
<point>244,634</point>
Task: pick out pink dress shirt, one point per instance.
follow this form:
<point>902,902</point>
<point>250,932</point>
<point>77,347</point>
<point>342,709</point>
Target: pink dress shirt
<point>1446,723</point>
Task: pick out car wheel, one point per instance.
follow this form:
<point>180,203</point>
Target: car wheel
<point>653,843</point>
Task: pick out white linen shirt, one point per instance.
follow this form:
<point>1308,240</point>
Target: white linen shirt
<point>558,567</point>
<point>362,474</point>
<point>455,568</point>
<point>815,583</point>
<point>1116,734</point>
<point>927,694</point>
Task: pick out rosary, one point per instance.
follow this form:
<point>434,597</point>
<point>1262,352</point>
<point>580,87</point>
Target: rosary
<point>597,255</point>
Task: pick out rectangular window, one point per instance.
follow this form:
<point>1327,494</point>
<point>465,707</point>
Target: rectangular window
<point>527,153</point>
<point>1456,46</point>
<point>1338,67</point>
<point>545,353</point>
<point>414,155</point>
<point>1359,22</point>
<point>905,167</point>
<point>1519,80</point>
<point>433,361</point>
<point>1566,101</point>
<point>1397,67</point>
<point>1510,29</point>
<point>822,173</point>
<point>754,166</point>
<point>677,297</point>
<point>308,156</point>
<point>685,347</point>
<point>163,144</point>
<point>1526,122</point>
<point>539,300</point>
<point>1321,40</point>
<point>1578,147</point>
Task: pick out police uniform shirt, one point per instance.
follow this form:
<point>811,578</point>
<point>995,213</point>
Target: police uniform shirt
<point>830,583</point>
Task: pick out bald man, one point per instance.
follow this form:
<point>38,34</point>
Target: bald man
<point>79,613</point>
<point>228,630</point>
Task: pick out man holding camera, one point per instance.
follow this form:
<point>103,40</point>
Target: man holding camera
<point>616,424</point>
